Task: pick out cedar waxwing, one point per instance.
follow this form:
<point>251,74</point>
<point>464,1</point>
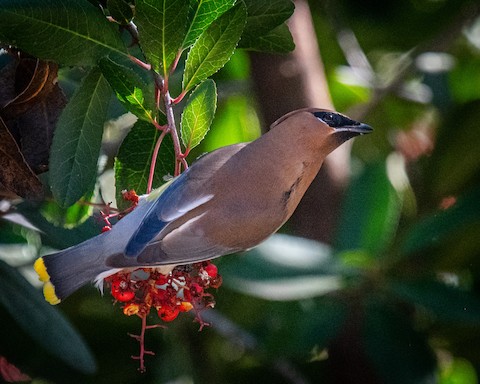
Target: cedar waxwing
<point>228,201</point>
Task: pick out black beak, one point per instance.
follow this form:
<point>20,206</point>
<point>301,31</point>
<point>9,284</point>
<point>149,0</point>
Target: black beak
<point>346,132</point>
<point>354,129</point>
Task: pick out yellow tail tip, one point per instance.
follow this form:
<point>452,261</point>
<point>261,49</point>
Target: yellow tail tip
<point>48,288</point>
<point>42,273</point>
<point>49,293</point>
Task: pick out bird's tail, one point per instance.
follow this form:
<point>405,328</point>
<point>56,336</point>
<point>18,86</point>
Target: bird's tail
<point>66,271</point>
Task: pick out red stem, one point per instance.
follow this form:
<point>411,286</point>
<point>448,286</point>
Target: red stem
<point>141,340</point>
<point>154,160</point>
<point>139,62</point>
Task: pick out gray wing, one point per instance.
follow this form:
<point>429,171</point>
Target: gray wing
<point>184,242</point>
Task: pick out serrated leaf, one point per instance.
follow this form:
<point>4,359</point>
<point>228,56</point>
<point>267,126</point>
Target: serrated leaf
<point>264,16</point>
<point>198,114</point>
<point>201,14</point>
<point>77,140</point>
<point>70,32</point>
<point>43,322</point>
<point>132,164</point>
<point>445,302</point>
<point>283,268</point>
<point>130,89</point>
<point>443,225</point>
<point>278,40</point>
<point>120,10</point>
<point>161,28</point>
<point>369,220</point>
<point>214,47</point>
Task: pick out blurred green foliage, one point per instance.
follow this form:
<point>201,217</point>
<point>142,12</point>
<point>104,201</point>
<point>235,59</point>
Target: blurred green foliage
<point>394,299</point>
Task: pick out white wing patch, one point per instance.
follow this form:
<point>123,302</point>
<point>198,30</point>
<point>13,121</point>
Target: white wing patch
<point>187,208</point>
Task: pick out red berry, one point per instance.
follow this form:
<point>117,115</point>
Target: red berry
<point>167,313</point>
<point>124,295</point>
<point>211,270</point>
<point>162,280</point>
<point>106,228</point>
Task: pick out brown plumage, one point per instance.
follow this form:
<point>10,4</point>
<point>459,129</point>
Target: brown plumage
<point>228,201</point>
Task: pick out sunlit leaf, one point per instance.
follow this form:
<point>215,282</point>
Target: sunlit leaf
<point>202,13</point>
<point>42,322</point>
<point>132,164</point>
<point>458,371</point>
<point>76,143</point>
<point>130,89</point>
<point>70,32</point>
<point>214,47</point>
<point>236,121</point>
<point>161,26</point>
<point>69,217</point>
<point>198,113</point>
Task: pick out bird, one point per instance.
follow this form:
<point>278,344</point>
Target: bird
<point>227,201</point>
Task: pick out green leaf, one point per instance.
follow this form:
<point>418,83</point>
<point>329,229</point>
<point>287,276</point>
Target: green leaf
<point>444,225</point>
<point>69,217</point>
<point>278,40</point>
<point>77,140</point>
<point>70,32</point>
<point>458,371</point>
<point>198,113</point>
<point>43,322</point>
<point>130,89</point>
<point>161,28</point>
<point>299,330</point>
<point>283,268</point>
<point>445,302</point>
<point>202,13</point>
<point>236,121</point>
<point>214,47</point>
<point>54,236</point>
<point>263,17</point>
<point>132,164</point>
<point>370,212</point>
<point>399,353</point>
<point>120,10</point>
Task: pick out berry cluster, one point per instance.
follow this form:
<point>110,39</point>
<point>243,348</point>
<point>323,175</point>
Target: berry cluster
<point>181,290</point>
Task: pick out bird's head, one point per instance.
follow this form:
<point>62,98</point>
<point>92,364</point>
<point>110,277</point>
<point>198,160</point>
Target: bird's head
<point>322,127</point>
<point>341,127</point>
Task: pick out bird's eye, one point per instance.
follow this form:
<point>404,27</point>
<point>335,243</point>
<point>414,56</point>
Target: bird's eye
<point>333,119</point>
